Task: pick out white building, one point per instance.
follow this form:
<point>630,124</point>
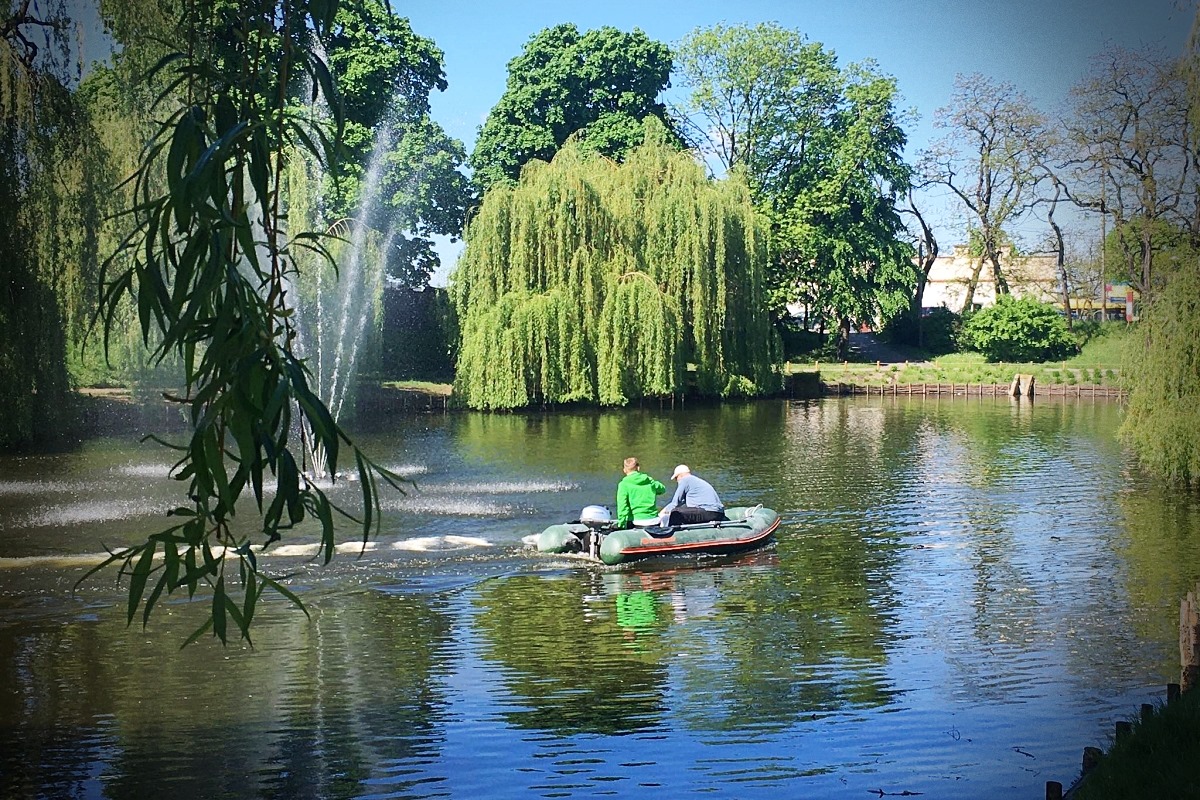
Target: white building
<point>1035,275</point>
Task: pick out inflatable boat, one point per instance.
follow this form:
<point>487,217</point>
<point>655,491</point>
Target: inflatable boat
<point>596,536</point>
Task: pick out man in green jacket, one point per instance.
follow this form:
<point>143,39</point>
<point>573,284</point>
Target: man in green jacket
<point>635,495</point>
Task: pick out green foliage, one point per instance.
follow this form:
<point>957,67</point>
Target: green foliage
<point>600,85</point>
<point>1162,372</point>
<point>936,333</point>
<point>1156,759</point>
<point>821,148</point>
<point>1023,329</point>
<point>53,181</point>
<point>209,265</point>
<point>591,281</point>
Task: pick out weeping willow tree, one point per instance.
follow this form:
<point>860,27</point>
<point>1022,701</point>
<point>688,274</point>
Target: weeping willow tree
<point>596,282</point>
<point>1162,422</point>
<point>52,190</point>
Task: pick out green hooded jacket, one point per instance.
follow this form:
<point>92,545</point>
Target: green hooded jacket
<point>635,498</point>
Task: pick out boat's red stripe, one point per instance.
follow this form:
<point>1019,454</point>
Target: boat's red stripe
<point>659,546</point>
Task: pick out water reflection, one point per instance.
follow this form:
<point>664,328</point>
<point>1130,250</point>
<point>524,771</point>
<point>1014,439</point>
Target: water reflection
<point>957,584</point>
<point>324,706</point>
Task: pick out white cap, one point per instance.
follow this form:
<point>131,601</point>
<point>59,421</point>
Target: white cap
<point>682,469</point>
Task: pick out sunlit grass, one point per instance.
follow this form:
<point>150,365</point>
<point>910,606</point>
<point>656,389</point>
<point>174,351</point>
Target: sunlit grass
<point>1158,759</point>
<point>1099,364</point>
<point>423,387</point>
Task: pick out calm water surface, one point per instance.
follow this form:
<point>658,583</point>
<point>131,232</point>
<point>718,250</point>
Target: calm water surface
<point>963,594</point>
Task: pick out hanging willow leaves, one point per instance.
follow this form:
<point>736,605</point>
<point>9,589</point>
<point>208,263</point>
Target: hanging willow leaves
<point>591,281</point>
<point>1162,371</point>
<point>210,263</point>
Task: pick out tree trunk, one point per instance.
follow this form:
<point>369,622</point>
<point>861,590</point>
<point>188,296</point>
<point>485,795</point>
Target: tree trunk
<point>1060,249</point>
<point>998,274</point>
<point>969,298</point>
<point>843,342</point>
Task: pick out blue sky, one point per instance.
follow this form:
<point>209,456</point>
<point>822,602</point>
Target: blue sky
<point>1041,47</point>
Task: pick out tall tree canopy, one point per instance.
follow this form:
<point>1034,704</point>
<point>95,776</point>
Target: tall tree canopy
<point>1133,156</point>
<point>602,83</point>
<point>601,282</point>
<point>52,181</point>
<point>761,97</point>
<point>385,74</point>
<point>821,147</point>
<point>991,159</point>
<point>1163,369</point>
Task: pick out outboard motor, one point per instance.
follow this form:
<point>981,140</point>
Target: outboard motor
<point>599,520</point>
<point>596,517</point>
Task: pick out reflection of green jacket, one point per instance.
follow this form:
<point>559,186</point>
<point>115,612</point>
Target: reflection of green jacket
<point>635,498</point>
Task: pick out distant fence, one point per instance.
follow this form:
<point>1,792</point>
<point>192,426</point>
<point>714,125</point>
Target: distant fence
<point>968,389</point>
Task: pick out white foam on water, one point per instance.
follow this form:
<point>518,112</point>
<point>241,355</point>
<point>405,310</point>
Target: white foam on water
<point>407,470</point>
<point>425,544</point>
<point>67,560</point>
<point>314,548</point>
<point>502,487</point>
<point>146,470</point>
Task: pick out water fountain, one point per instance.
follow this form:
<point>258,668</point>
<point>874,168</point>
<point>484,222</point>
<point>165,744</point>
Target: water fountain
<point>335,308</point>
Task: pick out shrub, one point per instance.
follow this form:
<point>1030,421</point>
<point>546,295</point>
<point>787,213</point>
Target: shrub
<point>1018,330</point>
<point>935,332</point>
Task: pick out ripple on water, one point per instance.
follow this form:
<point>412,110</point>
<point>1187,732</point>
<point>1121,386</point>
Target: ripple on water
<point>89,512</point>
<point>446,505</point>
<point>39,487</point>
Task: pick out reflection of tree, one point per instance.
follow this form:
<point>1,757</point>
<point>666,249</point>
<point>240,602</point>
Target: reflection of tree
<point>573,669</point>
<point>50,707</point>
<point>1162,551</point>
<point>344,720</point>
<point>837,468</point>
<point>344,698</point>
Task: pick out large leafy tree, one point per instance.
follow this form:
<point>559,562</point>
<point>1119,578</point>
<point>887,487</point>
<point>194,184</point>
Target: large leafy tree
<point>821,147</point>
<point>599,85</point>
<point>590,281</point>
<point>385,74</point>
<point>1163,369</point>
<point>761,96</point>
<point>1163,373</point>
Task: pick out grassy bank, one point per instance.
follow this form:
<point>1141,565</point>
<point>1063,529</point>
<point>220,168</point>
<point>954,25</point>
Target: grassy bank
<point>1098,364</point>
<point>1160,757</point>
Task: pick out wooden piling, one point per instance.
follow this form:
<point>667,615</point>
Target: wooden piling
<point>1189,641</point>
<point>1053,790</point>
<point>1123,729</point>
<point>1091,757</point>
<point>1147,711</point>
<point>1172,692</point>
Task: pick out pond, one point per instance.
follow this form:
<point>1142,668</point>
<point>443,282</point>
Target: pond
<point>963,594</point>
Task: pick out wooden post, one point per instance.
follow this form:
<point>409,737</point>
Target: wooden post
<point>1189,641</point>
<point>1172,692</point>
<point>1123,729</point>
<point>1053,790</point>
<point>1147,711</point>
<point>1091,757</point>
